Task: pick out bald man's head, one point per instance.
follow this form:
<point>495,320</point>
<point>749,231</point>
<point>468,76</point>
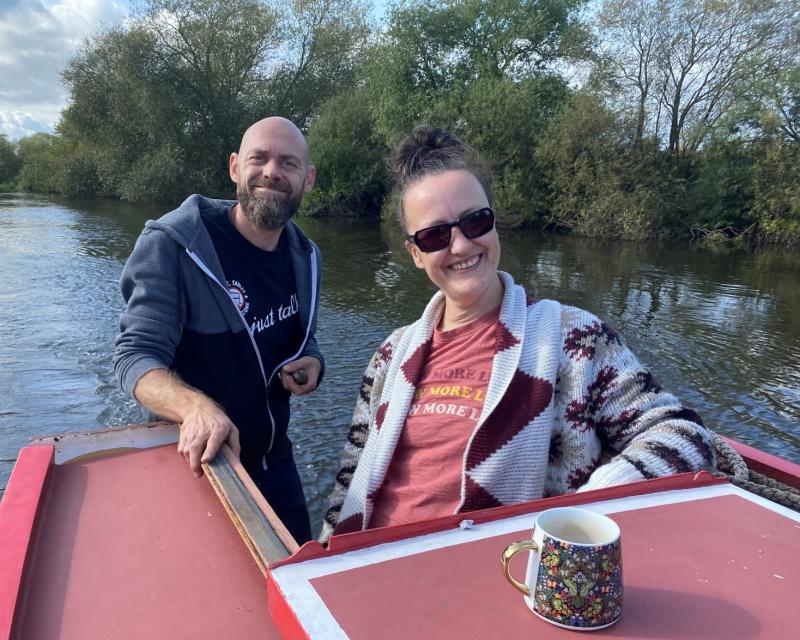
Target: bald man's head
<point>271,171</point>
<point>279,129</point>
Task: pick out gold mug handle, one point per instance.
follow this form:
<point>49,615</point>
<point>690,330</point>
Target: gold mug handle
<point>510,551</point>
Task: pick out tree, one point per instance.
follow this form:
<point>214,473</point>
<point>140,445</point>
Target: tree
<point>40,157</point>
<point>485,70</point>
<point>351,175</point>
<point>326,44</point>
<point>433,51</point>
<point>212,55</point>
<point>158,103</point>
<point>126,122</point>
<point>772,107</point>
<point>720,194</point>
<point>629,48</point>
<point>9,162</point>
<point>686,61</point>
<point>776,206</point>
<point>599,187</point>
<point>506,120</point>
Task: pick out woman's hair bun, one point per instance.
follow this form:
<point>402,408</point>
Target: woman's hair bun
<point>426,150</point>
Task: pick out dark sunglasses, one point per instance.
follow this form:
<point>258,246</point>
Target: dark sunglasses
<point>472,225</point>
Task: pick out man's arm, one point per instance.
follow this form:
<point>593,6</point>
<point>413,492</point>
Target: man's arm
<point>204,426</point>
<point>150,330</point>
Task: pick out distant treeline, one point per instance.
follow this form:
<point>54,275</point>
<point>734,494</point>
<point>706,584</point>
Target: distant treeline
<point>622,119</point>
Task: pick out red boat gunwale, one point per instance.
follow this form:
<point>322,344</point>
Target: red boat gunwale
<point>18,514</point>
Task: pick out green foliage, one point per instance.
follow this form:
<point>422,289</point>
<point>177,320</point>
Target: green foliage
<point>158,104</point>
<point>505,120</point>
<point>326,45</point>
<point>483,70</point>
<point>40,155</point>
<point>688,125</point>
<point>684,65</point>
<point>777,192</point>
<point>600,186</point>
<point>10,163</point>
<point>348,157</point>
<point>434,51</point>
<point>121,113</point>
<point>721,194</point>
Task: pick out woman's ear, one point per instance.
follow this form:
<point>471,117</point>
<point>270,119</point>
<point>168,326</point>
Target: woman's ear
<point>415,254</point>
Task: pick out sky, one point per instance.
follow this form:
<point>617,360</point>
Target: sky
<point>37,38</point>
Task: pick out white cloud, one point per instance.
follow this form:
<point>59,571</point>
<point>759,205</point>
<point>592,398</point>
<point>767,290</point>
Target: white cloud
<point>20,125</point>
<point>37,38</point>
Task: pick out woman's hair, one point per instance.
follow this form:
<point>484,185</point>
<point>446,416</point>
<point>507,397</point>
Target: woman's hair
<point>430,151</point>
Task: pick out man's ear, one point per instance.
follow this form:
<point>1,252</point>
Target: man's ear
<point>233,167</point>
<point>415,254</point>
<point>311,176</point>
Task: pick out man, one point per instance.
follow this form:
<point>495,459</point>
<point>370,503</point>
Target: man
<point>222,303</point>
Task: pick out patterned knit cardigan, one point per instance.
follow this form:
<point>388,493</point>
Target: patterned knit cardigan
<point>568,407</point>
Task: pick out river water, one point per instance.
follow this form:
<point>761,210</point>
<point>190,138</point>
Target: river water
<point>719,328</point>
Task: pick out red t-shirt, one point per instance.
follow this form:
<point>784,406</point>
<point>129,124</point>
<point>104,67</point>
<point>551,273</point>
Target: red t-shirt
<point>424,478</point>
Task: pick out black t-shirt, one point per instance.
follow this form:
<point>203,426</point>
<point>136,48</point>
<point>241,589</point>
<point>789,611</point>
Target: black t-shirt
<point>262,284</point>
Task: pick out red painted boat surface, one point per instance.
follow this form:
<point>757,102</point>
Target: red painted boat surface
<point>124,545</point>
<point>710,562</point>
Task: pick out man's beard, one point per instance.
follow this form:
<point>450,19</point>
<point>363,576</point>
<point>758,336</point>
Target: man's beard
<point>270,210</point>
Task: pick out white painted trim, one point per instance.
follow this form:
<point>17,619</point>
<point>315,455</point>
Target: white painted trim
<point>317,620</point>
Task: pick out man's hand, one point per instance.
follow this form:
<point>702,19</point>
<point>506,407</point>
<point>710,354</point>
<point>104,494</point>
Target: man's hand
<point>292,375</point>
<point>204,425</point>
<point>203,431</point>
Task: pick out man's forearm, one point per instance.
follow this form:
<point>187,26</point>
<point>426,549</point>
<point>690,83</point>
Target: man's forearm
<point>164,394</point>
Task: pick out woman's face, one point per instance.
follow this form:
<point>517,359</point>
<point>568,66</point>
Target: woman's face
<point>466,271</point>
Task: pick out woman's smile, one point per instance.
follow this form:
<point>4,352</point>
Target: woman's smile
<point>466,264</point>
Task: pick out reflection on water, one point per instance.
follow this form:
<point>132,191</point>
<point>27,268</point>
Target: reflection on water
<point>720,329</point>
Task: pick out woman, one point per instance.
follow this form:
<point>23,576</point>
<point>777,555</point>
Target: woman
<point>492,398</point>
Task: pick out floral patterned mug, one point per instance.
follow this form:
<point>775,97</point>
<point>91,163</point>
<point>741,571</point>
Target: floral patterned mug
<point>574,577</point>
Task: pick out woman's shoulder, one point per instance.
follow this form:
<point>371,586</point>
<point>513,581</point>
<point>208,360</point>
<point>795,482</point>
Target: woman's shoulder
<point>575,317</point>
<point>568,315</point>
<point>576,324</point>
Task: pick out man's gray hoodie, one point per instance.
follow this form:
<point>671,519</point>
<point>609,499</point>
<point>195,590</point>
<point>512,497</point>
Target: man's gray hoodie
<point>179,316</point>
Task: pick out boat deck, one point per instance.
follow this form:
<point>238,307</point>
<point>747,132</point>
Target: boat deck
<point>133,546</point>
<point>130,545</point>
<point>712,562</point>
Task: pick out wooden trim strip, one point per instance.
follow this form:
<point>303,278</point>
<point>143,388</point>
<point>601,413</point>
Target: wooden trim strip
<point>19,512</point>
<point>262,531</point>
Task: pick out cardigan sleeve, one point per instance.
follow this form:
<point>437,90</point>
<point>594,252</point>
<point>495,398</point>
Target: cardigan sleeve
<point>645,429</point>
<point>360,428</point>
